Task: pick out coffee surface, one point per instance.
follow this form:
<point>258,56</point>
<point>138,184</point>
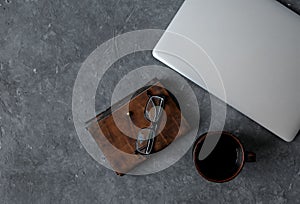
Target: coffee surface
<point>224,161</point>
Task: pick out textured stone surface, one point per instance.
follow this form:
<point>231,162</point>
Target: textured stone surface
<point>42,46</point>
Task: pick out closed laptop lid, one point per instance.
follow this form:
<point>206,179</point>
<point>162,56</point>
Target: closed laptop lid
<point>254,45</point>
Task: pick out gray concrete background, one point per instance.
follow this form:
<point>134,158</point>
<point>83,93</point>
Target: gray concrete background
<point>42,46</point>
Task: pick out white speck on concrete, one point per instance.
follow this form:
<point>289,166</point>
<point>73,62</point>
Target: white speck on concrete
<point>34,71</point>
<point>18,91</point>
<point>10,63</point>
<point>49,25</point>
<point>63,68</point>
<point>76,175</point>
<point>2,131</point>
<point>29,147</point>
<point>56,70</point>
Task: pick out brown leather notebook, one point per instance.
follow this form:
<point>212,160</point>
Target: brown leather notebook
<point>116,133</point>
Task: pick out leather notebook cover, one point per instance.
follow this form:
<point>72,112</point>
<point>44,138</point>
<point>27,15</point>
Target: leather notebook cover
<point>117,137</point>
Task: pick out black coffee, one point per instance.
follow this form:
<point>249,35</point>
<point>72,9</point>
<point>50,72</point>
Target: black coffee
<point>224,161</point>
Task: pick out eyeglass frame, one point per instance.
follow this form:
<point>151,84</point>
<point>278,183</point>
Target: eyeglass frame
<point>153,127</point>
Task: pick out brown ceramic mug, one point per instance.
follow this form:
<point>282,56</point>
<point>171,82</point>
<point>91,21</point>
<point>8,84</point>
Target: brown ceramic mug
<point>225,161</point>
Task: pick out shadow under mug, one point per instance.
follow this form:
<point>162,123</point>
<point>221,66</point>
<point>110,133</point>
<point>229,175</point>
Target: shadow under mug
<point>225,161</point>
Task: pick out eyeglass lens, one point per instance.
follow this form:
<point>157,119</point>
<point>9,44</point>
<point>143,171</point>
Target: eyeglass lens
<point>154,108</point>
<point>145,139</point>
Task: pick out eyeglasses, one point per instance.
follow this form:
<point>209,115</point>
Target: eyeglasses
<point>152,113</point>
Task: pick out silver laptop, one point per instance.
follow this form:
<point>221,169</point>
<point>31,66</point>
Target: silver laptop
<point>251,46</point>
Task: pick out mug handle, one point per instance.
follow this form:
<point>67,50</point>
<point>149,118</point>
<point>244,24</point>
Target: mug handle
<point>250,156</point>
